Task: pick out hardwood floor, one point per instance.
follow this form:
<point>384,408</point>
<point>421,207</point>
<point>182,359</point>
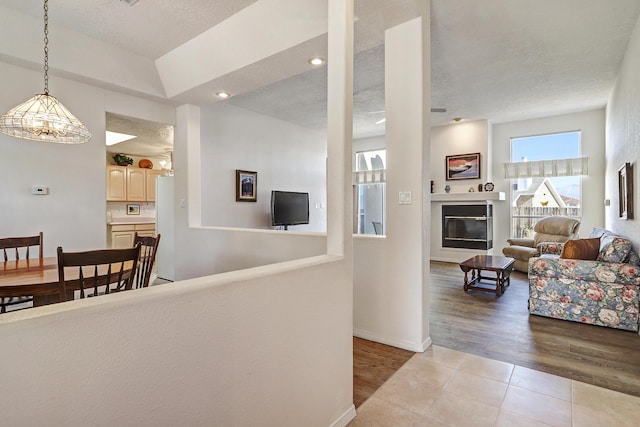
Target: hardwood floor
<point>373,364</point>
<point>502,329</point>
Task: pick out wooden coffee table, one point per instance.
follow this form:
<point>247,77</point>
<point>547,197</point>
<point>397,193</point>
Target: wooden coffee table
<point>501,265</point>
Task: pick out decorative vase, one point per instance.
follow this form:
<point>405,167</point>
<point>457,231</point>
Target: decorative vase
<point>447,188</point>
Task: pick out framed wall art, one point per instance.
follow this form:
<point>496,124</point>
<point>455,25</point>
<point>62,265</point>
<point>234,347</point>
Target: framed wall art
<point>625,191</point>
<point>463,166</point>
<point>246,186</point>
<point>133,209</point>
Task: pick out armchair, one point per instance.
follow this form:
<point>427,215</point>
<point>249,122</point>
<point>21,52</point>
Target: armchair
<point>548,229</point>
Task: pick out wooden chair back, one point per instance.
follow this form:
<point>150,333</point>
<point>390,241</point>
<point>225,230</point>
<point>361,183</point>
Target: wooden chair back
<point>148,249</point>
<point>110,269</point>
<point>13,246</point>
<point>15,249</point>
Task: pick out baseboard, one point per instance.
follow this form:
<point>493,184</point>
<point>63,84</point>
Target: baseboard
<point>403,344</point>
<point>426,344</point>
<point>345,418</point>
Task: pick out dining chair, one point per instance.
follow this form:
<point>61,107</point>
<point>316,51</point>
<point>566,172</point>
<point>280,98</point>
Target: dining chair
<point>15,249</point>
<point>148,249</point>
<point>111,269</point>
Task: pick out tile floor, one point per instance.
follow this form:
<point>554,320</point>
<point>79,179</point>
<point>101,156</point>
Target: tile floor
<point>443,387</point>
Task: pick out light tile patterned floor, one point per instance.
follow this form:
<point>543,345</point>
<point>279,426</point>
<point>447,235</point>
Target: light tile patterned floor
<point>443,387</point>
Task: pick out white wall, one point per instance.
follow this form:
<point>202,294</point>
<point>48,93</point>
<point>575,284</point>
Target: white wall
<point>623,136</point>
<point>459,138</point>
<point>447,140</point>
<point>73,214</point>
<point>270,350</point>
<point>391,273</point>
<point>592,127</point>
<point>266,346</point>
<point>287,157</point>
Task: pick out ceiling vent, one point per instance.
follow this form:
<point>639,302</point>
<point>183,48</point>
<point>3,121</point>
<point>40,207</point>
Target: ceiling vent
<point>131,2</point>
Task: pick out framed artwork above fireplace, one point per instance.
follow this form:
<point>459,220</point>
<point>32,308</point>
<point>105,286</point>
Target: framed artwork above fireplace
<point>463,166</point>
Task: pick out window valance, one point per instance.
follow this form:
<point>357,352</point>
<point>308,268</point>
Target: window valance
<point>370,177</point>
<point>547,168</point>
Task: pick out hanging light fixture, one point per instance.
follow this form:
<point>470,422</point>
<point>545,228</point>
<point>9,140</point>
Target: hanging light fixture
<point>43,117</point>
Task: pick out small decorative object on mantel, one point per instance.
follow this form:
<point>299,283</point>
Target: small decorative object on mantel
<point>122,160</point>
<point>447,188</point>
<point>488,186</point>
<point>480,187</point>
<point>145,164</point>
<point>471,190</point>
<point>433,186</point>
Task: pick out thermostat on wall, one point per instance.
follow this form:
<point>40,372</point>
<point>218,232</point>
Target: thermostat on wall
<point>38,189</point>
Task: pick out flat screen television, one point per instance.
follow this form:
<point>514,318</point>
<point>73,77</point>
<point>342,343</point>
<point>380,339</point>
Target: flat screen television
<point>289,208</point>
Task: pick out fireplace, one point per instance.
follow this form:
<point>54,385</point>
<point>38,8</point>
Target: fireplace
<point>467,226</point>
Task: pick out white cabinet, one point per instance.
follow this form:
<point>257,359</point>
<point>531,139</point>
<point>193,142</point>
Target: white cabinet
<point>129,184</point>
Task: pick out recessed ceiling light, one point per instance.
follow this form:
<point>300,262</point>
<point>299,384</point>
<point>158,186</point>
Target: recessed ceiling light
<point>222,94</point>
<point>317,61</point>
<point>116,138</point>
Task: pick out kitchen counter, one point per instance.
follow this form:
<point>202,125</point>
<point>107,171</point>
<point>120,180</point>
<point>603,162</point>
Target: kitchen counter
<point>127,221</point>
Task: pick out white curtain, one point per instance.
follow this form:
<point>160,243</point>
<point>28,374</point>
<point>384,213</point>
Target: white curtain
<point>547,168</point>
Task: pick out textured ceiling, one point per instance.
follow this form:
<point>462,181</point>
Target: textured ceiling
<point>152,139</point>
<point>149,28</point>
<point>498,60</point>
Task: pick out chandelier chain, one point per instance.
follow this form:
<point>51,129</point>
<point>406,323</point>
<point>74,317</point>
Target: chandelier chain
<point>46,47</point>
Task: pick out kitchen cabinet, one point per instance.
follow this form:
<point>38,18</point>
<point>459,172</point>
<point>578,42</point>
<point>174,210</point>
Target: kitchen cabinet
<point>136,185</point>
<point>129,184</point>
<point>151,175</point>
<point>116,183</point>
<point>121,235</point>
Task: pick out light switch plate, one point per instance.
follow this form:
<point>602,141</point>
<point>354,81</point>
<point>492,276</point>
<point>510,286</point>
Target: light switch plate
<point>404,197</point>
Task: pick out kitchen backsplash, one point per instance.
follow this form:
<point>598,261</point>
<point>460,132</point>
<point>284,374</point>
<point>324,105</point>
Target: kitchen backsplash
<point>120,209</point>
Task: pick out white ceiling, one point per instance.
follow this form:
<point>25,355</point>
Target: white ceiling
<point>499,60</point>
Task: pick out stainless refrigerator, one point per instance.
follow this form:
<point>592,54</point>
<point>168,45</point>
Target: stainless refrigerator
<point>165,224</point>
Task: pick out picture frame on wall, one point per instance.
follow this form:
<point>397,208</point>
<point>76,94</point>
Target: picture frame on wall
<point>246,186</point>
<point>462,166</point>
<point>625,191</point>
<point>133,209</point>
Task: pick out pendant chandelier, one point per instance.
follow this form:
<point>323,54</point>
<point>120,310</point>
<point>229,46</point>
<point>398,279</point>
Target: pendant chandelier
<point>43,117</point>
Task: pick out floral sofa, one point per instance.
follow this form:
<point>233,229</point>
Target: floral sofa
<point>603,291</point>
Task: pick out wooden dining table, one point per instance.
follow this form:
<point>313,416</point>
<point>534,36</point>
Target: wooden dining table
<point>38,278</point>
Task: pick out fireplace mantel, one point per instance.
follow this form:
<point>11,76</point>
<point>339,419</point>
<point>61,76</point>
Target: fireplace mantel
<point>474,196</point>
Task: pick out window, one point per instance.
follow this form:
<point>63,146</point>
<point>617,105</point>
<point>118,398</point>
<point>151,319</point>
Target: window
<point>533,198</point>
<point>370,192</point>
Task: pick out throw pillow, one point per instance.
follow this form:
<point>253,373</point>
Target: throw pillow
<point>586,249</point>
<point>632,258</point>
<point>616,251</point>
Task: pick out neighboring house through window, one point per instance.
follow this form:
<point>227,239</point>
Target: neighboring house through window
<point>534,197</point>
